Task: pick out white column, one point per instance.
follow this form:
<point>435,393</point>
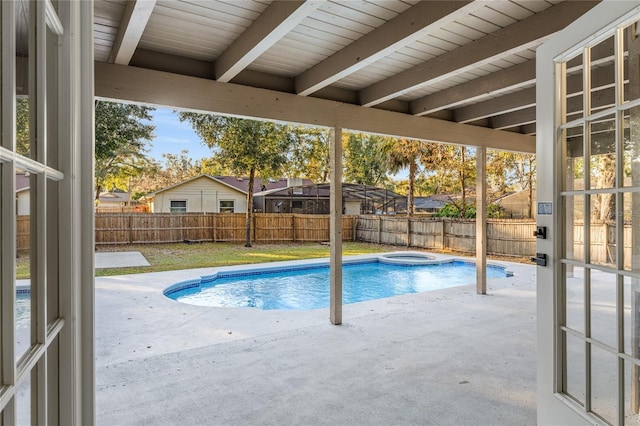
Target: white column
<point>335,227</point>
<point>481,220</point>
<point>76,155</point>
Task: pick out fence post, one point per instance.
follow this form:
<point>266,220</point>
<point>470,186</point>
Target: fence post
<point>408,231</point>
<point>255,221</point>
<point>130,228</point>
<point>379,229</point>
<point>293,227</point>
<point>354,227</point>
<point>442,235</point>
<point>213,225</point>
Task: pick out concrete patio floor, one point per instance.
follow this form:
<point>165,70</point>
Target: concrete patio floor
<point>446,357</point>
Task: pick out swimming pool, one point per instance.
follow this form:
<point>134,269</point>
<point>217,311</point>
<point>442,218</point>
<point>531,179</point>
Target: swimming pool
<point>307,287</point>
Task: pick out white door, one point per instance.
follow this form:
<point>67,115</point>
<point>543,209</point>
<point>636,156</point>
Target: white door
<point>588,148</point>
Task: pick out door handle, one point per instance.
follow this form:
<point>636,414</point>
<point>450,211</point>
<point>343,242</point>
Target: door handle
<point>540,259</point>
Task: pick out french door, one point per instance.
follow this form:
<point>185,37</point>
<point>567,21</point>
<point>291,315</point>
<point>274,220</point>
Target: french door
<point>589,147</point>
<point>46,128</point>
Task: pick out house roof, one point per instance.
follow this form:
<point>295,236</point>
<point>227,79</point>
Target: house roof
<point>22,181</point>
<point>240,184</point>
<point>349,191</point>
<point>436,201</point>
<point>114,197</point>
<point>445,71</point>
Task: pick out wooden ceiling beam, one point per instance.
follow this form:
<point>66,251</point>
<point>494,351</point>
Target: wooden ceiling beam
<point>409,26</point>
<point>276,21</point>
<point>132,84</point>
<point>489,85</point>
<point>134,20</point>
<point>519,36</point>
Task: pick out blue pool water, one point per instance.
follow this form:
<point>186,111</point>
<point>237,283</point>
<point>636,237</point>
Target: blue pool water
<point>309,288</point>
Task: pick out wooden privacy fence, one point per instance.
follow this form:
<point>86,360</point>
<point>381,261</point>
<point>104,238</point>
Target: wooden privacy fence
<point>218,227</point>
<point>504,237</point>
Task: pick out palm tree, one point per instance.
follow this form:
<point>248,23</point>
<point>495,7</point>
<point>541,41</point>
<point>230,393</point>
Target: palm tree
<point>408,153</point>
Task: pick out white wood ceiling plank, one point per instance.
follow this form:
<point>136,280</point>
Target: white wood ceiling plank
<point>323,47</point>
<point>304,44</point>
<point>175,46</point>
<point>534,6</point>
<point>329,38</point>
<point>493,16</point>
<point>478,24</point>
<point>182,17</point>
<point>328,27</point>
<point>404,59</point>
<point>105,29</point>
<point>235,9</point>
<point>511,9</point>
<point>422,51</point>
<point>160,22</point>
<point>339,21</point>
<point>378,9</point>
<point>109,10</point>
<point>184,50</point>
<point>207,41</point>
<point>395,6</point>
<point>446,40</point>
<point>349,10</point>
<point>434,44</point>
<point>465,31</point>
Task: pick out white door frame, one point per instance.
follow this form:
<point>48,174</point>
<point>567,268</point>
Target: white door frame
<point>552,406</point>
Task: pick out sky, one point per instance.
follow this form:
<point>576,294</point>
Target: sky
<point>172,136</point>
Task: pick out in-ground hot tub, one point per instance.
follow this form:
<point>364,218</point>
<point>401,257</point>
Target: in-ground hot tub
<point>408,258</point>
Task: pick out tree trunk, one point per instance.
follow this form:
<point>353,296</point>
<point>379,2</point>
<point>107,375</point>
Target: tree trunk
<point>249,215</point>
<point>412,179</point>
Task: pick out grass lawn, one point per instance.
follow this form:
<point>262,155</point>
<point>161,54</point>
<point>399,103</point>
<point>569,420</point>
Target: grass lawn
<point>169,257</point>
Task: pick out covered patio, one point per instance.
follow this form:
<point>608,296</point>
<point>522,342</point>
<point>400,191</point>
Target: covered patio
<point>515,75</point>
<point>442,357</point>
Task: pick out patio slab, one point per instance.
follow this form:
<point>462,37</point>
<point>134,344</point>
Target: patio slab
<point>122,259</point>
<point>442,357</point>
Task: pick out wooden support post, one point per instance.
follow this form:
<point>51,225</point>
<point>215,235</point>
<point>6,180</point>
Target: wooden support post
<point>335,227</point>
<point>481,220</point>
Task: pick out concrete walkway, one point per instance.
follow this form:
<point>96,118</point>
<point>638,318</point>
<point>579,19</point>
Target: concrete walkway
<point>447,357</point>
<point>119,259</point>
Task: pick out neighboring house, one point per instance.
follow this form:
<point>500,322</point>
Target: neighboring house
<point>114,199</point>
<point>210,194</point>
<point>516,205</point>
<point>23,197</point>
<point>433,203</point>
<point>314,199</point>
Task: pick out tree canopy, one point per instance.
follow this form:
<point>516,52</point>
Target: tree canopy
<point>244,147</point>
<point>121,134</point>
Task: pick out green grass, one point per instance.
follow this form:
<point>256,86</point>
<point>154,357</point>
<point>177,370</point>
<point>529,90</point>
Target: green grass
<point>168,257</point>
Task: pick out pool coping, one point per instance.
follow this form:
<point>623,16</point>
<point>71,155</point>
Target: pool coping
<point>284,266</point>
